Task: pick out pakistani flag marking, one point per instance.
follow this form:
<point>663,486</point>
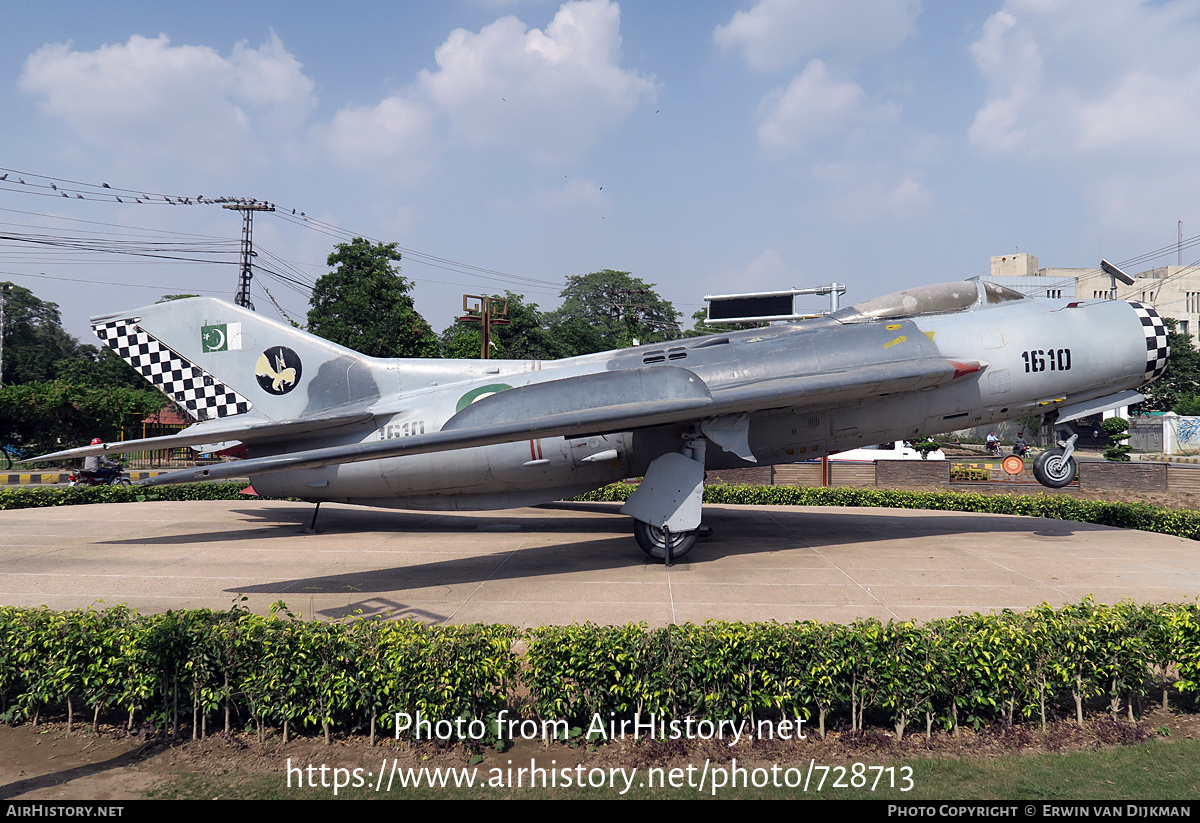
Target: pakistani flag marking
<point>221,337</point>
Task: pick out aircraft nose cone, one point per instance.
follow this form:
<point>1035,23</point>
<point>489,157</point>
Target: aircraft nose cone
<point>1157,347</point>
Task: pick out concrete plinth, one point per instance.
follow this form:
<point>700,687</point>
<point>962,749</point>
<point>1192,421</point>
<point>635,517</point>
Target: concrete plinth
<point>570,563</point>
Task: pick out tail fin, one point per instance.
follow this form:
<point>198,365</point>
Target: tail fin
<point>218,360</point>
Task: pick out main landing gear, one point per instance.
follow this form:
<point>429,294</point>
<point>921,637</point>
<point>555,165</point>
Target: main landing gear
<point>654,540</point>
<point>666,506</point>
<point>1055,468</point>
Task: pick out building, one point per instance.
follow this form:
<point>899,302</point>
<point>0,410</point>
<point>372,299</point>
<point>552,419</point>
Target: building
<point>1173,290</point>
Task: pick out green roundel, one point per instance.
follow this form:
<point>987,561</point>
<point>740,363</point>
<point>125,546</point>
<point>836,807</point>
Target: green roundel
<point>480,393</point>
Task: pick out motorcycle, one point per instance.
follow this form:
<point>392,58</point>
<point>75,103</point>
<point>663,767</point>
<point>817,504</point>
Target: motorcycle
<point>81,478</point>
<point>1021,449</point>
<point>993,447</point>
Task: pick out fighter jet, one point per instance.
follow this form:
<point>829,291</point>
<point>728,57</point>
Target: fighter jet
<point>323,423</point>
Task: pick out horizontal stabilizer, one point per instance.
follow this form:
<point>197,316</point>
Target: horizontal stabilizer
<point>207,433</point>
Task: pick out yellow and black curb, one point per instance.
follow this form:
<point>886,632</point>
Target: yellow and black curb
<point>57,478</point>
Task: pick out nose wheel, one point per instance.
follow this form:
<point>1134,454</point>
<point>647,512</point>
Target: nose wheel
<point>654,540</point>
<point>1055,468</point>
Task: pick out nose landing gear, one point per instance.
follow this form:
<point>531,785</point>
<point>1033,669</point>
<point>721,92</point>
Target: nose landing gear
<point>1055,468</point>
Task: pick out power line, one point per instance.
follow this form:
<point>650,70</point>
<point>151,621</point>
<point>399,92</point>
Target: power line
<point>292,264</point>
<point>14,180</point>
<point>127,230</point>
<point>415,256</point>
<point>31,183</point>
<point>159,251</point>
<point>100,282</point>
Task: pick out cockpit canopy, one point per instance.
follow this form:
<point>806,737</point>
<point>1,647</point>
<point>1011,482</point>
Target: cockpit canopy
<point>946,298</point>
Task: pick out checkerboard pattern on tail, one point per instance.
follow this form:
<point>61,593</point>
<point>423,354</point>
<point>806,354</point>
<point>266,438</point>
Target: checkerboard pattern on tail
<point>200,393</point>
<point>1157,347</point>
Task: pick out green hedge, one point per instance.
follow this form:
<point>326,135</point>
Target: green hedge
<point>187,666</point>
<point>968,668</point>
<point>198,669</point>
<point>32,497</point>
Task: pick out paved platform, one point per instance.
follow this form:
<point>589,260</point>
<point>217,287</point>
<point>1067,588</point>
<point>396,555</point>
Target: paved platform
<point>569,563</point>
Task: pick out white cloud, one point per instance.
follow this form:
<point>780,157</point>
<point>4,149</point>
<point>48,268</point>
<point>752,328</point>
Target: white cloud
<point>1144,110</point>
<point>147,98</point>
<point>392,139</point>
<point>1109,93</point>
<point>816,105</point>
<point>855,144</point>
<point>778,34</point>
<point>861,154</point>
<point>1066,76</point>
<point>549,93</point>
<point>546,93</point>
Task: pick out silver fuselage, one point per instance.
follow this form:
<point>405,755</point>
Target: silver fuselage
<point>1028,358</point>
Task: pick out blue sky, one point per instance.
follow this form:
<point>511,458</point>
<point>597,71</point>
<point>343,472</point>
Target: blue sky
<point>703,146</point>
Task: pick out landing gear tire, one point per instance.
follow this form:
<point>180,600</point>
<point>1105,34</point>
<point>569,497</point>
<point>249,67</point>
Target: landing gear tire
<point>1051,470</point>
<point>653,541</point>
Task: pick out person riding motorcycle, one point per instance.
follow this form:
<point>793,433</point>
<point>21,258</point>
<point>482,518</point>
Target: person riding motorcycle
<point>993,443</point>
<point>1020,445</point>
<point>99,466</point>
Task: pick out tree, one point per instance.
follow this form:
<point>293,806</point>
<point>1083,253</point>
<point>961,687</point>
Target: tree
<point>610,309</point>
<point>47,416</point>
<point>34,339</point>
<point>99,367</point>
<point>700,328</point>
<point>1182,374</point>
<point>1116,428</point>
<point>37,348</point>
<point>1188,406</point>
<point>364,304</point>
<point>57,391</point>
